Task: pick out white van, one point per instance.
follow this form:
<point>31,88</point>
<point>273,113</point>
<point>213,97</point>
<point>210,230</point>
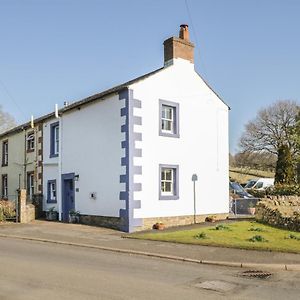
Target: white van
<point>260,183</point>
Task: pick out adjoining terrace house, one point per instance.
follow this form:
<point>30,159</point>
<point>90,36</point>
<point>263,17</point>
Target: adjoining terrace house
<point>21,160</point>
<point>125,157</point>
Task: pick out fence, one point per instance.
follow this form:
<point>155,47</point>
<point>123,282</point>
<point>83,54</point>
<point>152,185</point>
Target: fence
<point>243,206</point>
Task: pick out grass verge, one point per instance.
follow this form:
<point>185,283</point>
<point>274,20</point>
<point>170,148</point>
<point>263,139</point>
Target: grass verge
<point>242,234</point>
<point>242,175</point>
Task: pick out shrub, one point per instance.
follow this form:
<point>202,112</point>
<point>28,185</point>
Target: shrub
<point>284,168</point>
<point>284,190</point>
<point>257,238</point>
<point>7,210</point>
<point>2,218</point>
<point>257,193</point>
<point>221,227</point>
<point>256,229</point>
<point>293,237</point>
<point>200,236</point>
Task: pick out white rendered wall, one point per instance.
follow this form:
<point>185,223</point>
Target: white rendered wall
<point>50,166</point>
<point>91,148</point>
<point>202,147</point>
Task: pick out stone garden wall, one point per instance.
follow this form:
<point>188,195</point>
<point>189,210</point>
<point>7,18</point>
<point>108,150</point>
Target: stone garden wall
<point>280,211</point>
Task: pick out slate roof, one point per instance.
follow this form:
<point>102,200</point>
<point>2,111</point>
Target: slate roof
<point>108,92</point>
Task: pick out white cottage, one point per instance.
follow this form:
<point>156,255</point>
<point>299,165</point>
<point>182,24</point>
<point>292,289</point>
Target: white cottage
<point>125,158</point>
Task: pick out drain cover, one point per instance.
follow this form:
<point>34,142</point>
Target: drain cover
<point>256,274</point>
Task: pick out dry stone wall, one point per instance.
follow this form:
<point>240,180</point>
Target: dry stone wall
<point>280,211</point>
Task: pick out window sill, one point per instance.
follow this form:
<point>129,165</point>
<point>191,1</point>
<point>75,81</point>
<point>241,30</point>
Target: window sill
<point>166,134</point>
<point>168,197</point>
<point>53,155</point>
<point>51,201</point>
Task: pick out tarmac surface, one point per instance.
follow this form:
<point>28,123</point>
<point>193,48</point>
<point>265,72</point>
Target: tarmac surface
<point>38,270</point>
<point>112,239</point>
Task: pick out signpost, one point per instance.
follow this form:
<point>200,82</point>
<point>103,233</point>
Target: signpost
<point>194,179</point>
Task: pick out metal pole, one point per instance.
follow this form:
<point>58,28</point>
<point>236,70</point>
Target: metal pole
<point>20,181</point>
<point>194,202</point>
<point>25,156</point>
<point>194,179</point>
<point>234,206</point>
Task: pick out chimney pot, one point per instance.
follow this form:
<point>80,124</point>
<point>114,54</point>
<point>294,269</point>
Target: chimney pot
<point>184,32</point>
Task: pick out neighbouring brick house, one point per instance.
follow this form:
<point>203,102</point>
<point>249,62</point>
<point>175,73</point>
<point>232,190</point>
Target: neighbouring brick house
<point>125,157</point>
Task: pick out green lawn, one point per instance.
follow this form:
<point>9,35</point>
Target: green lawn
<point>234,235</point>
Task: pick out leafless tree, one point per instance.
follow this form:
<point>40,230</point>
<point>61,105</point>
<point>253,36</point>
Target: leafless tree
<point>6,121</point>
<point>271,128</point>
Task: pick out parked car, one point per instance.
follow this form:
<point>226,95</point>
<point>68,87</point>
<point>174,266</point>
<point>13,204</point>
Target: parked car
<point>260,183</point>
<point>239,199</point>
<point>236,189</point>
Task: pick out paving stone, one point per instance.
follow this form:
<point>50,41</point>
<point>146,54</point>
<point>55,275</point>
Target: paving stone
<point>215,285</point>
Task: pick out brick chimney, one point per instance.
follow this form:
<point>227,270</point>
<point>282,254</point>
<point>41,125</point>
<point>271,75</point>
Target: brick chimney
<point>181,47</point>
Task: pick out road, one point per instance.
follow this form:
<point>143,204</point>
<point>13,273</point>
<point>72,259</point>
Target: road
<point>33,270</point>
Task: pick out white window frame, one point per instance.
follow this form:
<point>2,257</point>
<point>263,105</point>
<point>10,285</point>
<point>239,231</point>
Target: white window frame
<point>31,142</point>
<point>5,186</point>
<point>51,191</point>
<point>56,140</point>
<point>173,193</point>
<point>167,120</point>
<point>164,181</point>
<point>30,185</point>
<point>5,153</point>
<point>52,187</point>
<point>174,119</point>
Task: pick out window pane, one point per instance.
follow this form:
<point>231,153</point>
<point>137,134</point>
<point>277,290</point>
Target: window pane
<point>166,125</point>
<point>168,187</point>
<point>163,112</point>
<point>169,113</point>
<point>163,186</point>
<point>169,174</point>
<point>56,147</point>
<point>56,132</point>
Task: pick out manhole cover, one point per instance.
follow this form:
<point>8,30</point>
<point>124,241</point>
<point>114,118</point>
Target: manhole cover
<point>256,274</point>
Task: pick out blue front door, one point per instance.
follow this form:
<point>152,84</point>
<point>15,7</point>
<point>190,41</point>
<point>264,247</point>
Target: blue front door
<point>68,195</point>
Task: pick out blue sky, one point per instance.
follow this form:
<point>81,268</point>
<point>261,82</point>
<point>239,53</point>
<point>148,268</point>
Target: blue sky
<point>65,50</point>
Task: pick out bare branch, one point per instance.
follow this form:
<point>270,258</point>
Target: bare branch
<point>271,128</point>
<point>6,121</point>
